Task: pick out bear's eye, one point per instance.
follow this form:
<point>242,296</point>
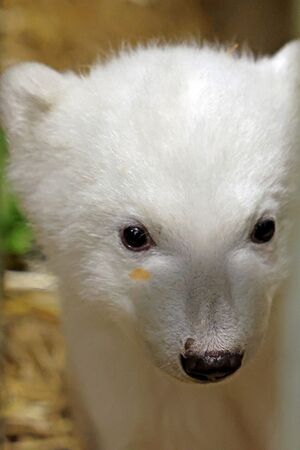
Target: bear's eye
<point>136,238</point>
<point>263,231</point>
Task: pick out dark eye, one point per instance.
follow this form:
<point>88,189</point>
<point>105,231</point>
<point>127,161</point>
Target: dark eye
<point>263,231</point>
<point>136,238</point>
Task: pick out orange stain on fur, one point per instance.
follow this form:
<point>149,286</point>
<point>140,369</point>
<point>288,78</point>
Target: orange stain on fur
<point>140,274</point>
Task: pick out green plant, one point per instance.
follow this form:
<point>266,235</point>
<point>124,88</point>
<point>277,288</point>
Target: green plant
<point>16,235</point>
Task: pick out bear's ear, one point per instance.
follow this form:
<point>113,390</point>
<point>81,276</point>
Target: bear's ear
<point>27,91</point>
<point>286,62</point>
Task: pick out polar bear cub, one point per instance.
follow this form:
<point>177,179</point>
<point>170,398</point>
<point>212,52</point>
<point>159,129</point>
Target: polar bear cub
<point>161,188</point>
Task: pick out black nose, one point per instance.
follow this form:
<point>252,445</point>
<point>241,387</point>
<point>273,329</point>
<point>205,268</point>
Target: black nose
<point>212,366</point>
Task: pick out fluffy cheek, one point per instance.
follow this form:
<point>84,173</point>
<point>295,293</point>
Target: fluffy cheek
<point>252,288</point>
<point>159,302</point>
<point>257,331</point>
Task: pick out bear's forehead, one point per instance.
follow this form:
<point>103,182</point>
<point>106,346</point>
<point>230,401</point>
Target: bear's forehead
<point>184,108</point>
<point>194,131</point>
<point>209,133</point>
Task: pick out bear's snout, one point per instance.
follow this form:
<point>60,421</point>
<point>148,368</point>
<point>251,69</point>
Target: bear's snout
<point>211,366</point>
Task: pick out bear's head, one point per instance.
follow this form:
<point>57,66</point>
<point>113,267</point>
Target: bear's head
<point>161,186</point>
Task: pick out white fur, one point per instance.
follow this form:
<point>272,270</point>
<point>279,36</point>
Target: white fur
<point>196,144</point>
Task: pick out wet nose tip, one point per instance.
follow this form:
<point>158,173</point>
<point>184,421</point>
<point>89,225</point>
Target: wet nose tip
<point>212,366</point>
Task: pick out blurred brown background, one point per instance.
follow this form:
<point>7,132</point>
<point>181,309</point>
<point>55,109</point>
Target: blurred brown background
<point>72,34</point>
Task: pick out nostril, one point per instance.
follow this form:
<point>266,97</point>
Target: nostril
<point>212,366</point>
<point>224,361</point>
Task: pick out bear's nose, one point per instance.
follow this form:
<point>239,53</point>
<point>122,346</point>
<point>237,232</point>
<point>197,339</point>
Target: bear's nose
<point>212,366</point>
